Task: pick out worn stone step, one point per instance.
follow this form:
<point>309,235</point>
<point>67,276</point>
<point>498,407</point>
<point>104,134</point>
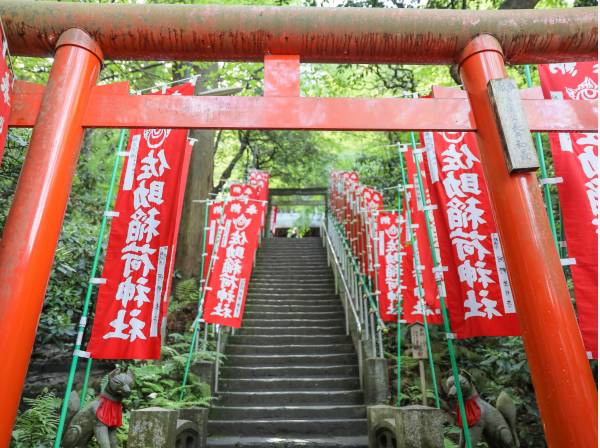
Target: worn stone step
<point>288,384</point>
<point>287,412</point>
<point>288,371</point>
<point>315,330</point>
<point>291,289</point>
<point>290,398</point>
<point>279,267</point>
<point>294,315</point>
<point>305,295</point>
<point>310,283</point>
<point>282,339</point>
<point>294,302</point>
<point>289,441</point>
<point>290,323</point>
<point>288,289</point>
<point>270,427</point>
<point>290,275</point>
<point>302,299</point>
<point>287,308</point>
<point>306,270</point>
<point>282,349</point>
<point>292,360</point>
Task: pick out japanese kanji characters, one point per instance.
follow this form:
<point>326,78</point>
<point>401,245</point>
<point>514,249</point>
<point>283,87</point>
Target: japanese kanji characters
<point>141,248</point>
<point>479,297</point>
<point>236,243</point>
<point>390,253</point>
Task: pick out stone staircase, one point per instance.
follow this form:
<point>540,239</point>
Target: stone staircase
<point>290,378</point>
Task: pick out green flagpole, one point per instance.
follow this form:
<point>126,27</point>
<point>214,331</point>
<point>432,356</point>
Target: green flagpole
<point>202,294</point>
<point>399,310</point>
<point>86,304</point>
<point>544,172</point>
<point>417,263</point>
<point>442,295</point>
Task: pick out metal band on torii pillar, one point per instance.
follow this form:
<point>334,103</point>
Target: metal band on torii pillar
<point>35,219</point>
<point>562,378</point>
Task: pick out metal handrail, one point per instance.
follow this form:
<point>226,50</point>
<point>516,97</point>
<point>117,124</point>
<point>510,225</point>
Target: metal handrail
<point>341,272</point>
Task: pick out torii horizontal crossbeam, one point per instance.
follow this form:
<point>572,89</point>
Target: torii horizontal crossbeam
<point>348,114</point>
<point>334,35</point>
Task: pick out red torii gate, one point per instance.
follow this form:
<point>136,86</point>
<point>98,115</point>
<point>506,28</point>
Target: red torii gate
<point>80,36</point>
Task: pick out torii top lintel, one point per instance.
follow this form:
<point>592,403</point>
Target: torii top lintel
<point>330,35</point>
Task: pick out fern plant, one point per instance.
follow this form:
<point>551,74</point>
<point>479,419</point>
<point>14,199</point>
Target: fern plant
<point>36,427</point>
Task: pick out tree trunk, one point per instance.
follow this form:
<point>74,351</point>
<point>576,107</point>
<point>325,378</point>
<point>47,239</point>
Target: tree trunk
<point>199,185</point>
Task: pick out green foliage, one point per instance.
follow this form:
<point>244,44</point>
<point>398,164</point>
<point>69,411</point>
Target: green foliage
<point>36,426</point>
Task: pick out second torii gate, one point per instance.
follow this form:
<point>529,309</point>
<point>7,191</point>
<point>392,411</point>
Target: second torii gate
<point>80,36</point>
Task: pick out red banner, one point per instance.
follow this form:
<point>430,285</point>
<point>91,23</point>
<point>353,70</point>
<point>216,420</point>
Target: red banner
<point>413,307</point>
<point>273,225</point>
<point>132,300</point>
<point>575,158</point>
<point>260,180</point>
<point>215,211</point>
<point>389,231</point>
<point>6,84</point>
<point>485,305</point>
<point>370,202</point>
<point>235,246</point>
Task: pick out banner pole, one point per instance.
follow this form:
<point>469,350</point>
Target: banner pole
<point>399,308</point>
<point>544,172</point>
<point>86,304</point>
<point>442,295</point>
<point>201,303</point>
<point>202,258</point>
<point>417,263</point>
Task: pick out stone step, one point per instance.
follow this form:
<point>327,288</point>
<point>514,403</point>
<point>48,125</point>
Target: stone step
<point>291,257</point>
<point>311,283</point>
<point>290,323</point>
<point>294,302</point>
<point>305,309</point>
<point>272,427</point>
<point>288,371</point>
<point>282,339</point>
<point>314,330</point>
<point>278,267</point>
<point>320,274</point>
<point>325,359</point>
<point>277,295</point>
<point>290,441</point>
<point>290,398</point>
<point>282,349</point>
<point>294,315</point>
<point>283,288</point>
<point>288,384</point>
<point>291,412</point>
<point>307,270</point>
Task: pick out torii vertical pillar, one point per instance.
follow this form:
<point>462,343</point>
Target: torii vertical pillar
<point>561,375</point>
<point>33,225</point>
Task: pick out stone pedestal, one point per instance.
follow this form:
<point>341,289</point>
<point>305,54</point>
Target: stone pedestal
<point>199,416</point>
<point>155,427</point>
<point>376,381</point>
<point>420,427</point>
<point>206,371</point>
<point>406,427</point>
<point>381,422</point>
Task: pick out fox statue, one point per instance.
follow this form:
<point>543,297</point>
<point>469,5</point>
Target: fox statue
<point>494,425</point>
<point>101,417</point>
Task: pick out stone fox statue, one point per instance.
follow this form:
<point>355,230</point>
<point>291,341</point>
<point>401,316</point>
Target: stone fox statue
<point>101,417</point>
<point>494,425</point>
